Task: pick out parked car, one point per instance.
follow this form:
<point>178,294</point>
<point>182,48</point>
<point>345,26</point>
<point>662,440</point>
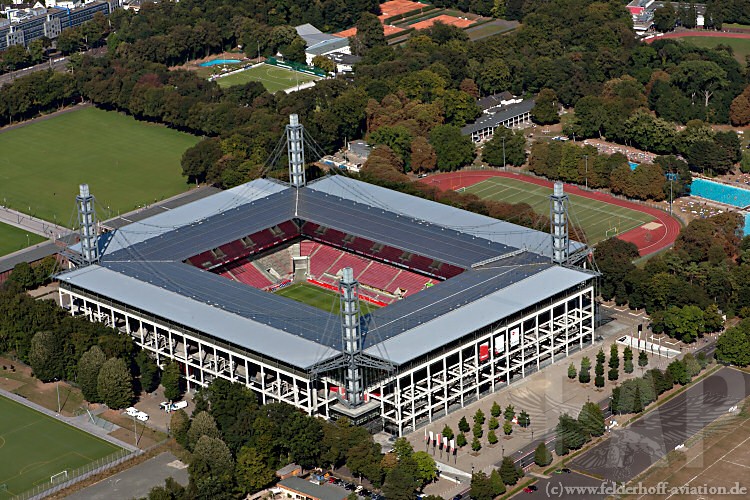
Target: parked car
<point>132,411</point>
<point>142,416</point>
<point>530,488</point>
<point>164,405</point>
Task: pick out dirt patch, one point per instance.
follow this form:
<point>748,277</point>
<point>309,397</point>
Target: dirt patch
<point>10,384</point>
<point>147,437</point>
<point>37,391</point>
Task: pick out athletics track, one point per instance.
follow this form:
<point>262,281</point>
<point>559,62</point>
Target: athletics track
<point>648,241</point>
<point>683,34</point>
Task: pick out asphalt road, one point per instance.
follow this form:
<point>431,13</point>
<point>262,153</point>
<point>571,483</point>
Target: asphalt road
<point>57,64</point>
<point>631,450</point>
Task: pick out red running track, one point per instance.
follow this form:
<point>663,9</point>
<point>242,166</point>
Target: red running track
<point>647,241</point>
<point>714,34</point>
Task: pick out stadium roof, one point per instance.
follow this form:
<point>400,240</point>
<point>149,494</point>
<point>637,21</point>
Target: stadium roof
<point>142,266</point>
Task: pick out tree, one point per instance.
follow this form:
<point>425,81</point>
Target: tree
<point>494,76</point>
<point>324,63</point>
<point>448,432</point>
<point>369,34</point>
<point>599,369</point>
<point>733,346</point>
<point>401,482</point>
<point>509,472</point>
<point>600,357</point>
<point>679,374</point>
<point>546,108</point>
<point>584,375</point>
<point>591,419</point>
<point>475,444</point>
<point>492,437</point>
<point>739,110</point>
<point>179,424</point>
<point>453,149</point>
<point>403,448</point>
<point>115,384</point>
<point>252,471</point>
<point>627,355</point>
<point>384,164</point>
<point>496,409</point>
<point>460,440</point>
<point>692,367</point>
<point>542,456</point>
<point>481,487</point>
<point>463,425</point>
<point>460,107</point>
<point>46,356</point>
<point>523,419</point>
<point>509,413</point>
<point>203,424</point>
<point>397,137</point>
<point>88,372</point>
<point>423,157</point>
<point>569,435</point>
<point>211,468</point>
<point>477,430</point>
<point>642,359</point>
<point>699,78</point>
<point>479,417</point>
<point>198,160</point>
<point>149,371</point>
<point>613,374</point>
<point>426,467</point>
<point>572,373</point>
<point>493,424</point>
<point>172,381</point>
<point>599,379</point>
<point>665,18</point>
<point>505,145</point>
<point>507,428</point>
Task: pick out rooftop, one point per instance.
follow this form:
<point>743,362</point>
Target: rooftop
<point>318,492</point>
<point>498,115</point>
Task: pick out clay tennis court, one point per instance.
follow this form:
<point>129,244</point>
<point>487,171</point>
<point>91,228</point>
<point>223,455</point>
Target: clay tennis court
<point>659,233</point>
<point>397,7</point>
<point>445,19</point>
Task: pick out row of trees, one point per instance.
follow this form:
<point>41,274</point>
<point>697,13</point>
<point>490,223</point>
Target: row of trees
<point>709,264</point>
<point>733,347</point>
<point>484,487</point>
<point>633,395</point>
<point>572,433</point>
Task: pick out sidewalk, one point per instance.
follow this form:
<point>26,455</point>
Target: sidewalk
<point>32,224</point>
<point>544,395</point>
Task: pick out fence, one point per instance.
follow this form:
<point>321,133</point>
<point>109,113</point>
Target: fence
<point>295,66</point>
<point>47,488</point>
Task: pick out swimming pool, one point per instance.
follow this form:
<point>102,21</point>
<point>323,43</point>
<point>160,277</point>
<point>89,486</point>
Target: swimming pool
<point>216,62</point>
<point>722,193</point>
<point>633,165</point>
<point>747,224</point>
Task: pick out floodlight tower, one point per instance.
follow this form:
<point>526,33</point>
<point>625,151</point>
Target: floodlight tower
<point>558,214</point>
<point>87,225</point>
<point>351,336</point>
<point>295,146</point>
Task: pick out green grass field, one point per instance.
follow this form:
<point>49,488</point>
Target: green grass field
<point>273,78</point>
<point>126,163</point>
<point>741,46</point>
<point>34,446</point>
<point>315,296</point>
<point>13,238</point>
<point>598,219</point>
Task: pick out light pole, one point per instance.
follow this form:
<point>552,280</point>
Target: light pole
<point>671,178</point>
<point>586,176</point>
<point>135,431</point>
<point>57,386</point>
<point>504,164</point>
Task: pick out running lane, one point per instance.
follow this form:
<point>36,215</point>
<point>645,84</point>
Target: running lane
<point>648,241</point>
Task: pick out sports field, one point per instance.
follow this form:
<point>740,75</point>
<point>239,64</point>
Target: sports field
<point>318,297</point>
<point>273,78</point>
<point>13,238</point>
<point>126,163</point>
<point>598,219</point>
<point>34,446</point>
<point>741,46</point>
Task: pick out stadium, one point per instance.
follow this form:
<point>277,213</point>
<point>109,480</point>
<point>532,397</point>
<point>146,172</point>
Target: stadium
<point>459,304</point>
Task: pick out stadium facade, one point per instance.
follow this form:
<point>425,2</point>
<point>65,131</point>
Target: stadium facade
<point>501,307</point>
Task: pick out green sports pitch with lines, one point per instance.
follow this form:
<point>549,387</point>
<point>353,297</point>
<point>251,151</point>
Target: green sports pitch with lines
<point>34,447</point>
<point>315,296</point>
<point>598,219</point>
<point>13,238</point>
<point>273,78</point>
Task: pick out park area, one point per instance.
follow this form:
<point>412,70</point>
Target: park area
<point>36,449</point>
<point>273,78</point>
<point>739,42</point>
<point>13,239</point>
<point>599,220</point>
<point>127,163</point>
<point>318,297</point>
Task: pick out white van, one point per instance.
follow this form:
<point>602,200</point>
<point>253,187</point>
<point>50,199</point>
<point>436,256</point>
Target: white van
<point>142,416</point>
<point>179,405</point>
<point>132,411</point>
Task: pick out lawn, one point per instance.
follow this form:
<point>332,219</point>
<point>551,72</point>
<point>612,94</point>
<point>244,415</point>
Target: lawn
<point>598,219</point>
<point>273,78</point>
<point>13,238</point>
<point>315,296</point>
<point>34,446</point>
<point>126,163</point>
<point>741,46</point>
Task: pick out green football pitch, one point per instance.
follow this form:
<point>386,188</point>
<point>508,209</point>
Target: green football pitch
<point>273,78</point>
<point>315,296</point>
<point>126,163</point>
<point>740,46</point>
<point>598,219</point>
<point>34,447</point>
<point>13,238</point>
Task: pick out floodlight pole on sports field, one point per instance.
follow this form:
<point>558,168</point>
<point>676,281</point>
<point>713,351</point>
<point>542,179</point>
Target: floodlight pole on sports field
<point>586,176</point>
<point>57,385</point>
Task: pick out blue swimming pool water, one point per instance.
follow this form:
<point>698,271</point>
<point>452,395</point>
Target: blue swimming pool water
<point>215,62</point>
<point>722,193</point>
<point>747,224</point>
<point>633,165</point>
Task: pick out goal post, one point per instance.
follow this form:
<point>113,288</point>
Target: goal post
<point>59,477</point>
